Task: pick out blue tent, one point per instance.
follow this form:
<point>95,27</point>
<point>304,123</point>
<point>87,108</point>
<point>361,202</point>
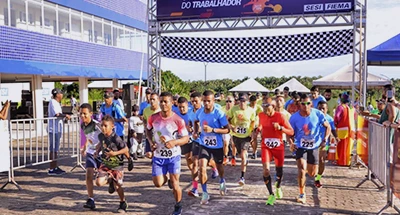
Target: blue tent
<point>386,53</point>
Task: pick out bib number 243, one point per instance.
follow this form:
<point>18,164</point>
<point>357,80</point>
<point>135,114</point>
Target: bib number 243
<point>210,141</point>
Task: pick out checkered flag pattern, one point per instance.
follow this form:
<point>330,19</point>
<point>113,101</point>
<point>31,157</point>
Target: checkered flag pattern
<point>271,49</point>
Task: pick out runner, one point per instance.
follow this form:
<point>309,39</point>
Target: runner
<point>91,129</point>
<point>227,137</point>
<point>307,124</point>
<point>242,120</point>
<point>186,115</point>
<point>316,97</point>
<point>196,101</point>
<point>280,101</point>
<point>147,112</point>
<point>323,106</point>
<point>295,105</point>
<point>169,132</point>
<point>257,109</point>
<point>272,124</point>
<point>111,170</point>
<point>213,124</point>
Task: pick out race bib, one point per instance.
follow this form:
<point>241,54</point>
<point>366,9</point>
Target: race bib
<point>272,142</point>
<point>210,140</point>
<point>241,130</point>
<point>307,143</point>
<point>166,153</point>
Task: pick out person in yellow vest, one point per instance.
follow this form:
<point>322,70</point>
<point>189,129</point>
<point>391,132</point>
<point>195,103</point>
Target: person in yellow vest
<point>344,122</point>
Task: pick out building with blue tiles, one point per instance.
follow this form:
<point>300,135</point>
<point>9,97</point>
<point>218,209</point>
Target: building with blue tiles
<point>69,40</point>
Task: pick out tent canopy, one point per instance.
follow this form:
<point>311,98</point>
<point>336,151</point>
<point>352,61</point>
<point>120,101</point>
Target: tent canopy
<point>294,85</point>
<point>386,53</point>
<point>342,79</point>
<point>250,85</point>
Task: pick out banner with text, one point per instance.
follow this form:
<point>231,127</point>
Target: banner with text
<point>207,9</point>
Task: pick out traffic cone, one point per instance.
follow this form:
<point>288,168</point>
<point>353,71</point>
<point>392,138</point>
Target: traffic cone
<point>332,152</point>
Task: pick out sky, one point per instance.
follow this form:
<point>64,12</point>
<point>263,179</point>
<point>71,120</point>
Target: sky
<point>382,24</point>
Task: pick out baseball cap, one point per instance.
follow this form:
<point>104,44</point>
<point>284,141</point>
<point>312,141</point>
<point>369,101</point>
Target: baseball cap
<point>108,95</point>
<point>115,90</point>
<point>149,91</point>
<point>380,101</point>
<point>56,91</point>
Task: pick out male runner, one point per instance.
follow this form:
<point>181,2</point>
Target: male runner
<point>212,123</point>
<point>227,137</point>
<point>186,115</point>
<point>166,132</point>
<point>242,120</point>
<point>307,124</point>
<point>257,109</point>
<point>147,112</point>
<point>273,124</point>
<point>323,106</point>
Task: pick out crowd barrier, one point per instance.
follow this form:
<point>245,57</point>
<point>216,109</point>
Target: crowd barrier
<point>29,144</point>
<point>379,161</point>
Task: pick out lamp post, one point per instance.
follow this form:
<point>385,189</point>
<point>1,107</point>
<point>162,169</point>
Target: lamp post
<point>205,72</point>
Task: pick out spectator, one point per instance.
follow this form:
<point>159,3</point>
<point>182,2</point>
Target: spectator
<point>55,128</point>
<point>109,107</point>
<point>117,99</point>
<point>286,95</point>
<point>73,102</point>
<point>332,104</point>
<point>316,97</point>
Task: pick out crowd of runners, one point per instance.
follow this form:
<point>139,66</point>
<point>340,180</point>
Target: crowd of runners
<point>210,136</point>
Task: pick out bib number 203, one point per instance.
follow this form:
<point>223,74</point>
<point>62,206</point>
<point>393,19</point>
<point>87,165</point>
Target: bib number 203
<point>166,152</point>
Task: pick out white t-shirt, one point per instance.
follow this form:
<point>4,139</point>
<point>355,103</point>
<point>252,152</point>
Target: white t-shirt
<point>54,125</point>
<point>119,102</point>
<point>133,124</point>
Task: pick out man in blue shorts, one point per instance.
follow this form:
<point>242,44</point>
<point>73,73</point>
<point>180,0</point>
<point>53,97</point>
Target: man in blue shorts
<point>212,123</point>
<point>307,124</point>
<point>166,132</point>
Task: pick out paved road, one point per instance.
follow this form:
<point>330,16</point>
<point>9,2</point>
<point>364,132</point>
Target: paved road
<point>44,195</point>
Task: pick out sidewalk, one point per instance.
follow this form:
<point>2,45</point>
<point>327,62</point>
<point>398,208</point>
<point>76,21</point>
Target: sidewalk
<point>44,195</point>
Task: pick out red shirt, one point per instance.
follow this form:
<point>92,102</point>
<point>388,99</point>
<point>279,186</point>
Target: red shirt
<point>270,137</point>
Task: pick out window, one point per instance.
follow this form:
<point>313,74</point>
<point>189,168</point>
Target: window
<point>22,17</point>
<point>50,23</point>
<point>107,34</point>
<point>98,32</point>
<point>76,27</point>
<point>35,17</point>
<point>5,12</point>
<point>63,23</point>
<point>87,29</point>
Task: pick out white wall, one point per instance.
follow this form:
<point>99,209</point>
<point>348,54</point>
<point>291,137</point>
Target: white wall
<point>12,91</point>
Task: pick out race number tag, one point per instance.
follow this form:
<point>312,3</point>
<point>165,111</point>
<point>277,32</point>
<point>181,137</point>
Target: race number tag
<point>210,140</point>
<point>272,142</point>
<point>241,130</point>
<point>307,143</point>
<point>166,152</point>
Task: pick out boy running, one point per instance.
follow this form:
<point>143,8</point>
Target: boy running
<point>111,151</point>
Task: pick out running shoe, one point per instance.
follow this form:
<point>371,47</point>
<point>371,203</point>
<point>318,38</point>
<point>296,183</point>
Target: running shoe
<point>241,181</point>
<point>318,184</point>
<point>194,192</point>
<point>222,188</point>
<point>90,204</point>
<point>271,200</point>
<point>130,163</point>
<point>279,192</point>
<point>204,198</point>
<point>123,206</point>
<point>301,198</point>
<point>233,162</point>
<point>214,174</point>
<point>56,172</point>
<point>111,188</point>
<point>225,162</point>
<point>177,210</point>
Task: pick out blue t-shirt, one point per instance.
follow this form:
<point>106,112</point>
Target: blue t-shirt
<point>307,130</point>
<point>175,109</point>
<point>290,101</point>
<point>218,106</point>
<point>188,118</point>
<point>215,119</point>
<point>317,100</point>
<point>323,129</point>
<point>142,106</point>
<point>119,126</point>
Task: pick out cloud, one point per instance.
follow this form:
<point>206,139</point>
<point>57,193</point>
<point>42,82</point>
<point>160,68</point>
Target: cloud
<point>382,24</point>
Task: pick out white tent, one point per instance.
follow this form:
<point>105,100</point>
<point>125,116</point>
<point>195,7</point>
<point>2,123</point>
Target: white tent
<point>250,85</point>
<point>343,79</point>
<point>294,85</point>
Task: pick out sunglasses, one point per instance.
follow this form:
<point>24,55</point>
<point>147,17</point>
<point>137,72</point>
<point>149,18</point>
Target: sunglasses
<point>266,105</point>
<point>305,103</point>
<point>229,101</point>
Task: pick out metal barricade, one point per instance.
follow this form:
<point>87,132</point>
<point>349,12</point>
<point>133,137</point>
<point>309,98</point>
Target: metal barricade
<point>379,163</point>
<point>33,143</point>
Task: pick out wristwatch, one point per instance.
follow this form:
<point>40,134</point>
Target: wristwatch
<point>213,130</point>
